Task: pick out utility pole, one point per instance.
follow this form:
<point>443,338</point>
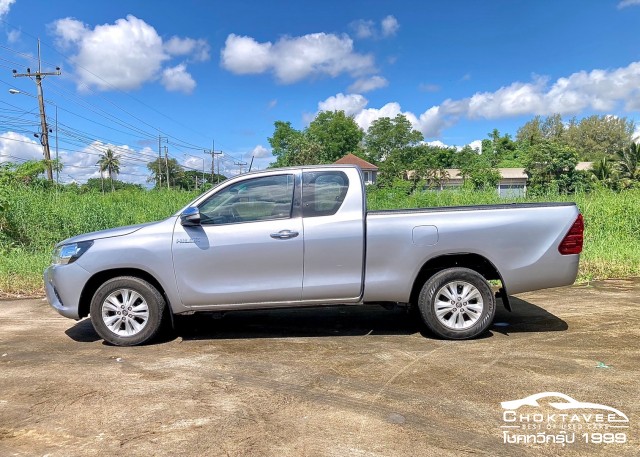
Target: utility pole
<point>44,137</point>
<point>240,164</point>
<point>218,153</point>
<point>159,175</point>
<point>57,160</point>
<point>213,154</point>
<point>166,163</point>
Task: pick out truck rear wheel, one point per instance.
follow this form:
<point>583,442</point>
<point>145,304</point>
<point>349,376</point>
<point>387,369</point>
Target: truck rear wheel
<point>127,311</point>
<point>457,304</point>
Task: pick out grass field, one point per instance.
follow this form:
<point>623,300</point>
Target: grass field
<point>32,221</point>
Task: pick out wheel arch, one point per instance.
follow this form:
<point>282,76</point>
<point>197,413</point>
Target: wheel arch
<point>472,261</point>
<point>100,278</point>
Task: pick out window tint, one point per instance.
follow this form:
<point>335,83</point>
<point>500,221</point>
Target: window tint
<point>323,192</point>
<point>259,199</point>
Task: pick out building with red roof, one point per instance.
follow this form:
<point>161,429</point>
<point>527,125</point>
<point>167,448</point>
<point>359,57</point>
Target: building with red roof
<point>369,170</point>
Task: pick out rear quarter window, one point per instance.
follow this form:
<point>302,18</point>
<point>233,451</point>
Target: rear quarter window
<point>323,192</point>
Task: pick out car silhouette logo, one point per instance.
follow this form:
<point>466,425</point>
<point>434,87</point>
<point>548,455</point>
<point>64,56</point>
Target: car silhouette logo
<point>570,403</point>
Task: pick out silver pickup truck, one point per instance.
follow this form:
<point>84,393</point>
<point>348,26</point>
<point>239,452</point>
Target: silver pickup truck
<point>303,237</point>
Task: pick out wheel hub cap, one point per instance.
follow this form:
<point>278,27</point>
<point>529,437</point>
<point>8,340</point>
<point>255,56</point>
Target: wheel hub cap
<point>125,312</point>
<point>458,305</point>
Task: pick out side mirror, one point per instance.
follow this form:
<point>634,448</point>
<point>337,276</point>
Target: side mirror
<point>190,217</point>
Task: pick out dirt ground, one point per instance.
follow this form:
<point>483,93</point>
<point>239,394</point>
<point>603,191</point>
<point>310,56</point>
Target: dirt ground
<point>342,381</point>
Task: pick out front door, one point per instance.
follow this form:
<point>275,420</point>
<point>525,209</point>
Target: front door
<point>248,248</point>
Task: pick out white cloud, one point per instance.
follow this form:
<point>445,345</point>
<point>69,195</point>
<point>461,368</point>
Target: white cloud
<point>81,165</point>
<point>68,31</point>
<point>390,26</point>
<point>625,3</point>
<point>351,104</point>
<point>272,103</point>
<point>196,163</point>
<point>437,144</point>
<point>476,144</point>
<point>178,79</point>
<point>363,28</point>
<point>15,147</point>
<point>13,35</point>
<point>260,152</point>
<point>597,90</point>
<point>197,49</point>
<point>5,5</point>
<point>292,59</point>
<point>244,55</point>
<point>123,55</point>
<point>363,85</point>
<point>126,54</point>
<point>425,87</point>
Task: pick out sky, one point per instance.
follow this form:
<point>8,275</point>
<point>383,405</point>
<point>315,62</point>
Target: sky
<point>196,75</point>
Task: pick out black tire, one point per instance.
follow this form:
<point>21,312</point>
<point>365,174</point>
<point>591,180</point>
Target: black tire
<point>466,319</point>
<point>145,313</point>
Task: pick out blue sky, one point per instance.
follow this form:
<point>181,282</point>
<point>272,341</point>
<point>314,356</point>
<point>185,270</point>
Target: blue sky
<point>198,71</point>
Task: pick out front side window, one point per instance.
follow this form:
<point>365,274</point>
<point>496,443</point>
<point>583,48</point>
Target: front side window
<point>323,192</point>
<point>258,199</point>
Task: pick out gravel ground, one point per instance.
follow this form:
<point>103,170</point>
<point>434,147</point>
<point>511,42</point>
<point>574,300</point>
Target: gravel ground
<point>347,381</point>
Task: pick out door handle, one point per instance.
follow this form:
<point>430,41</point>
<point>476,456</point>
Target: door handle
<point>284,234</point>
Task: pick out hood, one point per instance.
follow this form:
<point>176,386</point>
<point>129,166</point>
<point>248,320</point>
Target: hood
<point>109,233</point>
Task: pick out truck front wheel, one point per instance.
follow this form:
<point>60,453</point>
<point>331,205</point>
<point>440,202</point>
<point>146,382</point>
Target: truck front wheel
<point>127,311</point>
<point>457,304</point>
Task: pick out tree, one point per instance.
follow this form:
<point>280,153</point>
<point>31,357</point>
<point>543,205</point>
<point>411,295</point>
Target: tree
<point>531,132</point>
<point>95,185</point>
<point>595,137</point>
<point>551,166</point>
<point>603,171</point>
<point>430,166</point>
<point>629,164</point>
<point>498,148</point>
<point>477,169</point>
<point>330,136</point>
<point>540,129</point>
<point>282,144</point>
<point>109,162</point>
<point>592,137</point>
<point>336,133</point>
<point>158,168</point>
<point>27,173</point>
<point>386,135</point>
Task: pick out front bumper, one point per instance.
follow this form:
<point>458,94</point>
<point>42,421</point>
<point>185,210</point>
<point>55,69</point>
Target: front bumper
<point>63,285</point>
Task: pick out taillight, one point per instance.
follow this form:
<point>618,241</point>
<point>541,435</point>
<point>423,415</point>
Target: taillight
<point>572,242</point>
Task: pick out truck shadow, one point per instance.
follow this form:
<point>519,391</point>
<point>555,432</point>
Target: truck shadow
<point>352,321</point>
<point>331,321</point>
<point>525,317</point>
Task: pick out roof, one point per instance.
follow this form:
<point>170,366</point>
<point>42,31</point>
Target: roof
<point>512,173</point>
<point>351,159</point>
<point>453,174</point>
<point>583,166</point>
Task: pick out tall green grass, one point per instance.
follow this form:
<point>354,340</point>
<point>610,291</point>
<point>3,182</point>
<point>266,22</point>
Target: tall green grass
<point>34,220</point>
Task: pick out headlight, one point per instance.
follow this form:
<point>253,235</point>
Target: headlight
<point>69,253</point>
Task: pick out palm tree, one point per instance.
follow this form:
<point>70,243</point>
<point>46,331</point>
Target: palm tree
<point>629,161</point>
<point>109,162</point>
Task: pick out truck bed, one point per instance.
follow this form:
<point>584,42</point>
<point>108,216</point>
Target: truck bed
<point>520,240</point>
